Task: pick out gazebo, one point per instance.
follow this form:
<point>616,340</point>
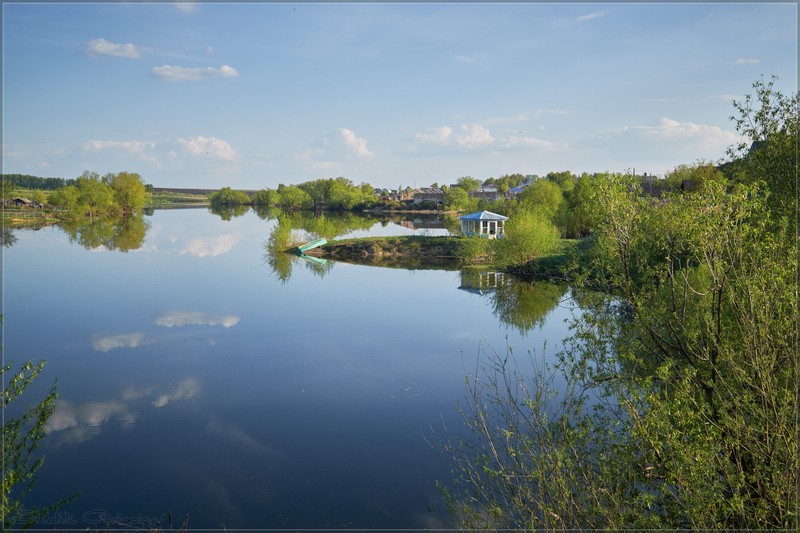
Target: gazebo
<point>484,224</point>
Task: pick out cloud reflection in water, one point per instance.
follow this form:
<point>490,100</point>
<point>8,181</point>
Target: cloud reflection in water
<point>194,318</point>
<point>185,390</point>
<point>210,246</point>
<point>80,422</point>
<point>124,340</point>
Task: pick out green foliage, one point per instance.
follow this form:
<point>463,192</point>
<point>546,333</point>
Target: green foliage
<point>528,236</point>
<point>130,192</point>
<point>468,183</point>
<point>229,197</point>
<point>768,123</point>
<point>696,175</point>
<point>339,194</point>
<point>678,403</point>
<point>114,232</point>
<point>293,198</point>
<point>94,196</point>
<point>524,304</point>
<point>572,216</point>
<point>542,196</point>
<point>277,247</point>
<point>25,181</point>
<point>456,199</point>
<point>267,197</point>
<point>474,250</point>
<point>22,436</point>
<point>565,180</point>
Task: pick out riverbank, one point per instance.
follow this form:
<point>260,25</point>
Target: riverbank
<point>421,252</point>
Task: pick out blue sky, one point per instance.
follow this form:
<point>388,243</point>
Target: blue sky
<point>255,94</point>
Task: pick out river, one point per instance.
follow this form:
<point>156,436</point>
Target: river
<point>198,379</point>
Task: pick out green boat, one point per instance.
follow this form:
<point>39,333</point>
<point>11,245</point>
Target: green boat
<point>309,245</point>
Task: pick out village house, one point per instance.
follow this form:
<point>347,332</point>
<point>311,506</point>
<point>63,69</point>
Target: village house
<point>428,195</point>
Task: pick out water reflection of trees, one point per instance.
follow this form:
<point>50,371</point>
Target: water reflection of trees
<point>515,302</point>
<point>228,212</point>
<point>123,233</point>
<point>7,237</point>
<point>292,228</point>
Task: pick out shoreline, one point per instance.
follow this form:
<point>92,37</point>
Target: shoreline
<point>422,252</point>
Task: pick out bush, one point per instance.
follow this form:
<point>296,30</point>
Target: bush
<point>528,236</point>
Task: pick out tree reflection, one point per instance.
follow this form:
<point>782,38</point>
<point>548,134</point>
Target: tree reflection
<point>123,233</point>
<point>7,237</point>
<point>228,212</point>
<point>277,247</point>
<point>518,303</point>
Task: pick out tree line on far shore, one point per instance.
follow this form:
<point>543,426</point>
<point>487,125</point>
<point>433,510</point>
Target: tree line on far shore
<point>122,193</point>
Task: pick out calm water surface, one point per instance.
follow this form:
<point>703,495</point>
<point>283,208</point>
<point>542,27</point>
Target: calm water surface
<point>195,381</point>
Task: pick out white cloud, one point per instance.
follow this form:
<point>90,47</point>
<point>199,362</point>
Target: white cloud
<point>687,139</point>
<point>356,144</point>
<point>470,136</point>
<point>185,390</point>
<point>209,146</point>
<point>703,135</point>
<point>331,151</point>
<point>529,142</point>
<point>178,74</point>
<point>107,48</point>
<point>142,149</point>
<point>747,61</point>
<point>591,16</point>
<point>126,340</point>
<point>193,318</point>
<point>474,136</point>
<point>436,135</point>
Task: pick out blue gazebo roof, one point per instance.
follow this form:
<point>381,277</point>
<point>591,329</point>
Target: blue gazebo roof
<point>483,215</point>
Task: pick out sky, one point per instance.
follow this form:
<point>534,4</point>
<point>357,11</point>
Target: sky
<point>250,95</point>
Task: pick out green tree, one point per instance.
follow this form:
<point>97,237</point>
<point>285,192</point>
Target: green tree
<point>456,198</point>
<point>267,197</point>
<point>65,198</point>
<point>94,196</point>
<point>229,197</point>
<point>696,175</point>
<point>679,404</point>
<point>542,196</point>
<point>130,192</point>
<point>565,180</point>
<point>768,122</point>
<point>572,217</point>
<point>293,198</point>
<point>468,183</point>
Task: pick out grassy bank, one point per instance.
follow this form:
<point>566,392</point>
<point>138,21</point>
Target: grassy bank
<point>25,217</point>
<point>421,252</point>
<point>177,198</point>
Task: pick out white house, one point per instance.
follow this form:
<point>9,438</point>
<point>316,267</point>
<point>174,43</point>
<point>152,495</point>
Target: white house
<point>483,224</point>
